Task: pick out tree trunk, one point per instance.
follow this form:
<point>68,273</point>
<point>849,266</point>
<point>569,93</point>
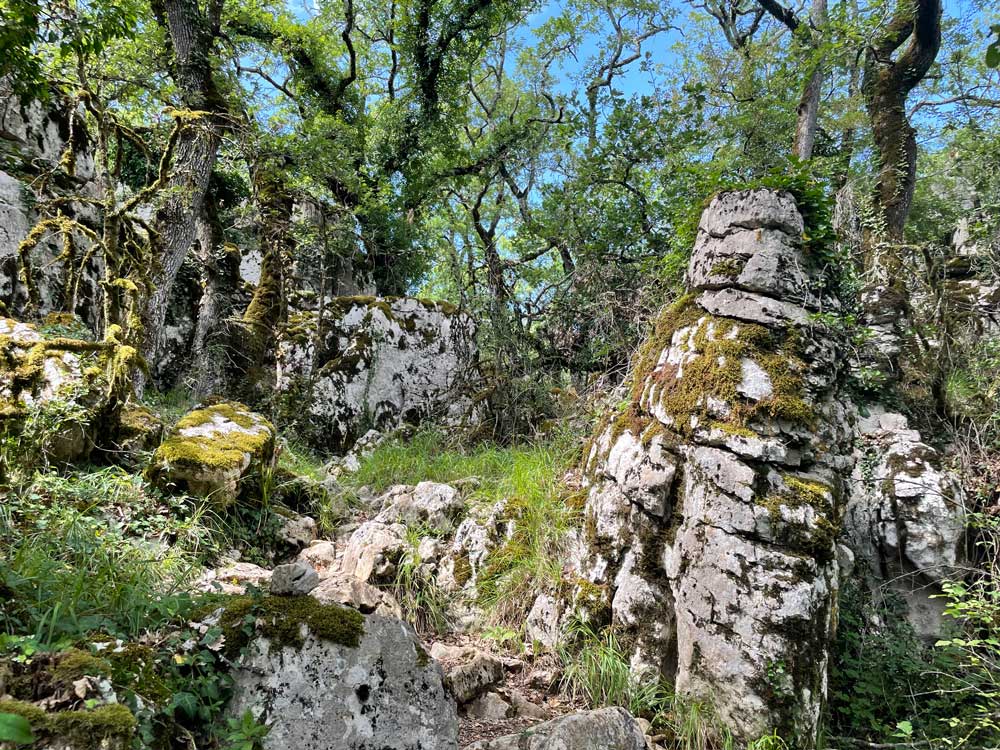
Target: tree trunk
<point>268,306</point>
<point>887,84</point>
<point>191,36</point>
<point>807,114</point>
<point>220,264</point>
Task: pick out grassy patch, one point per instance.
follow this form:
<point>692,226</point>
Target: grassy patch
<point>527,476</point>
<point>597,670</point>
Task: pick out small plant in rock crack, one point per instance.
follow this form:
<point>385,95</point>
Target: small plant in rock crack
<point>244,733</point>
<point>424,603</point>
<point>506,639</point>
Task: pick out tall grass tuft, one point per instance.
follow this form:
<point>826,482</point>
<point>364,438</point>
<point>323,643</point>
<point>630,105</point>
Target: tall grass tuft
<point>527,477</point>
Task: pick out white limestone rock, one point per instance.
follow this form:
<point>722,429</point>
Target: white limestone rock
<point>601,729</point>
<point>383,692</point>
<point>430,504</point>
<point>384,362</point>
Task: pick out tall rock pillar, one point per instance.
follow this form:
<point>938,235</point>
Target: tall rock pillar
<point>716,492</point>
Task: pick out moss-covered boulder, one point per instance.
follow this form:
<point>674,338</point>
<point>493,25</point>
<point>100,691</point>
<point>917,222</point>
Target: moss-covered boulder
<point>53,390</point>
<point>218,451</point>
<point>107,727</point>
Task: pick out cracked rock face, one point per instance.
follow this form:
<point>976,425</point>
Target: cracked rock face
<point>381,362</point>
<point>35,138</point>
<point>603,729</point>
<point>715,497</point>
<point>905,517</point>
<point>384,693</point>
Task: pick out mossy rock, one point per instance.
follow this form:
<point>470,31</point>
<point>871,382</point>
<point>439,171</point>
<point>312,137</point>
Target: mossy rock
<point>215,452</point>
<point>107,727</point>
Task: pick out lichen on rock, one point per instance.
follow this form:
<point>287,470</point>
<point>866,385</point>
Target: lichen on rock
<point>715,497</point>
<point>377,362</point>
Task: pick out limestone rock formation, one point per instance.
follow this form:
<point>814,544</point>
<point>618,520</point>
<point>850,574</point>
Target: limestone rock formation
<point>716,495</point>
<point>379,691</point>
<point>603,729</point>
<point>53,387</point>
<point>33,140</point>
<point>375,363</point>
<point>213,450</point>
<point>905,517</point>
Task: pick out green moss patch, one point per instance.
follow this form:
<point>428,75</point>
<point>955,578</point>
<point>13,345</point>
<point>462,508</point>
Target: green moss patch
<point>218,449</point>
<point>817,540</point>
<point>83,730</point>
<point>280,620</point>
<point>719,346</point>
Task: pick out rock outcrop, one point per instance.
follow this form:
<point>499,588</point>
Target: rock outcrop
<point>364,688</point>
<point>53,388</point>
<point>716,496</point>
<point>214,451</point>
<point>373,363</point>
<point>36,139</point>
<point>905,517</point>
<point>603,729</point>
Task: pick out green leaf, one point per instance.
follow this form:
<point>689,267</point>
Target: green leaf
<point>15,729</point>
<point>993,55</point>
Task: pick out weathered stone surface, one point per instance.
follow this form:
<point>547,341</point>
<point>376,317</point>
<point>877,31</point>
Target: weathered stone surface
<point>322,555</point>
<point>294,579</point>
<point>737,210</point>
<point>542,626</point>
<point>340,588</point>
<point>214,450</point>
<point>475,538</point>
<point>383,362</point>
<point>384,693</point>
<point>297,531</point>
<point>905,517</point>
<point>430,504</point>
<point>715,498</point>
<point>490,707</point>
<point>35,138</point>
<point>468,679</point>
<point>53,381</point>
<point>373,551</point>
<point>755,308</point>
<point>603,729</point>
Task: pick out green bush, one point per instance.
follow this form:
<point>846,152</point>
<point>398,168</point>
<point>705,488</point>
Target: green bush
<point>881,673</point>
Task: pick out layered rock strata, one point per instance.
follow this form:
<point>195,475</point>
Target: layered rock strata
<point>716,494</point>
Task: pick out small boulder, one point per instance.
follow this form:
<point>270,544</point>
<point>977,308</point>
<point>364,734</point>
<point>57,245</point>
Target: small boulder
<point>472,678</point>
<point>542,626</point>
<point>373,551</point>
<point>322,555</point>
<point>603,729</point>
<point>214,452</point>
<point>369,685</point>
<point>490,707</point>
<point>297,531</point>
<point>293,579</point>
<point>338,588</point>
<point>430,504</point>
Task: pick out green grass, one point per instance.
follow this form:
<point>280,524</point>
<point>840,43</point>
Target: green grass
<point>597,670</point>
<point>299,460</point>
<point>527,476</point>
<point>95,550</point>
